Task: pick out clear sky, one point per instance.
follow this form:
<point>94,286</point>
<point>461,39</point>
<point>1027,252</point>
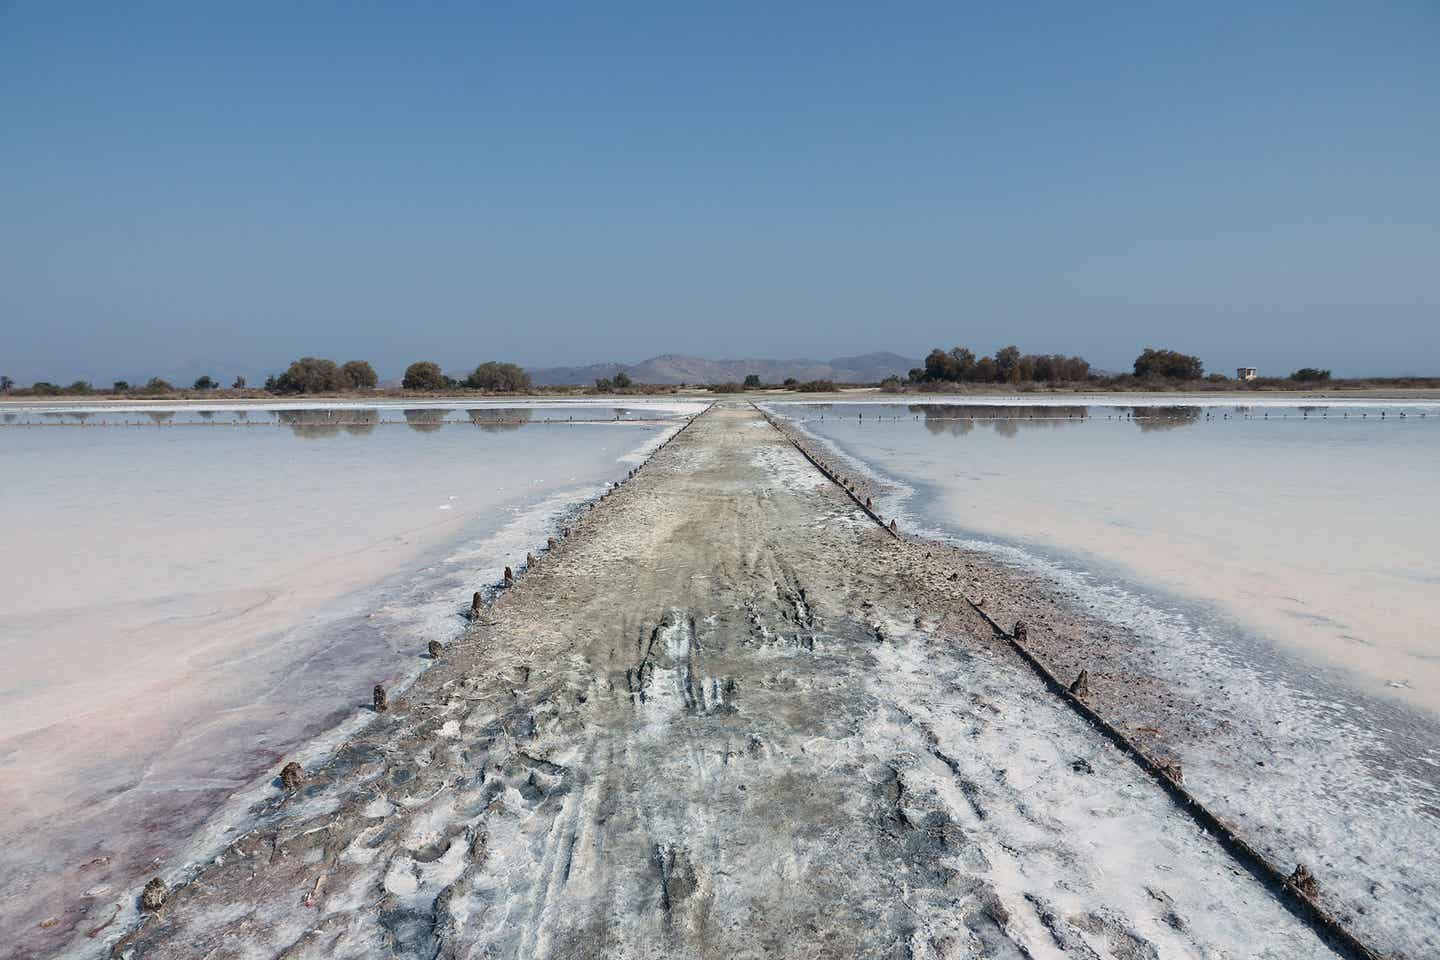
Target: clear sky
<point>190,186</point>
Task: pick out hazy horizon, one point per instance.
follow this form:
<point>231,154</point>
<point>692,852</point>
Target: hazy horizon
<point>198,191</point>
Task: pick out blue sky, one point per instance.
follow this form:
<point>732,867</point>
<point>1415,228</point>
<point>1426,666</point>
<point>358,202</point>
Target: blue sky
<point>187,188</point>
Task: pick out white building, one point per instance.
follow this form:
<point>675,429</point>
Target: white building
<point>1246,373</point>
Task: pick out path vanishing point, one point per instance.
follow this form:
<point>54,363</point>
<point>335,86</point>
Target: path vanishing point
<point>728,716</point>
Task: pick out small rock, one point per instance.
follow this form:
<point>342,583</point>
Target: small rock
<point>292,775</point>
<point>436,648</point>
<point>1081,765</point>
<point>154,894</point>
<point>1081,686</point>
<point>1303,881</point>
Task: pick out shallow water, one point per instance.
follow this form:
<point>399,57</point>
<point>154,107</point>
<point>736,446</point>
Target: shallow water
<point>181,608</point>
<point>1311,528</point>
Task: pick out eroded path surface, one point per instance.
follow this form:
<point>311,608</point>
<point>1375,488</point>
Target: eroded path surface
<point>728,717</point>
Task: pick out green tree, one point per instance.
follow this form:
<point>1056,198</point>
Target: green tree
<point>6,385</point>
<point>120,386</point>
<point>752,381</point>
<point>499,377</point>
<point>156,385</point>
<point>791,382</point>
<point>206,382</point>
<point>359,374</point>
<point>1310,375</point>
<point>239,384</point>
<point>623,381</point>
<point>1169,364</point>
<point>310,375</point>
<point>423,375</point>
<point>604,385</point>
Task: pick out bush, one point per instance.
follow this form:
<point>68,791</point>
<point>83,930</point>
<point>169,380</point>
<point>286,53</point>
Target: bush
<point>44,388</point>
<point>792,382</point>
<point>156,385</point>
<point>424,375</point>
<point>239,384</point>
<point>604,385</point>
<point>500,377</point>
<point>731,387</point>
<point>206,382</point>
<point>1310,375</point>
<point>120,386</point>
<point>623,381</point>
<point>359,374</point>
<point>817,386</point>
<point>1169,364</point>
<point>310,375</point>
<point>752,381</point>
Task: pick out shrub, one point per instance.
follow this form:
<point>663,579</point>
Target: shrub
<point>731,387</point>
<point>424,375</point>
<point>752,381</point>
<point>120,386</point>
<point>359,374</point>
<point>310,375</point>
<point>817,386</point>
<point>156,385</point>
<point>604,385</point>
<point>239,384</point>
<point>1168,364</point>
<point>1310,375</point>
<point>623,381</point>
<point>500,377</point>
<point>206,382</point>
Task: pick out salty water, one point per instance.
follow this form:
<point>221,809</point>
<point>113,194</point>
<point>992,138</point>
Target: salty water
<point>186,597</point>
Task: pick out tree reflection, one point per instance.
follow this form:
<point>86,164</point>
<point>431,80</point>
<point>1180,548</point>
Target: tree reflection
<point>959,419</point>
<point>493,420</point>
<point>1164,418</point>
<point>426,419</point>
<point>316,424</point>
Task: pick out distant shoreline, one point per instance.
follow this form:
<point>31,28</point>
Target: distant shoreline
<point>199,400</point>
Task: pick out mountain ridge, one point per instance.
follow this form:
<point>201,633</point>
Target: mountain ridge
<point>675,368</point>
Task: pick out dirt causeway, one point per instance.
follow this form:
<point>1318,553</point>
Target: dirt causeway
<point>728,716</point>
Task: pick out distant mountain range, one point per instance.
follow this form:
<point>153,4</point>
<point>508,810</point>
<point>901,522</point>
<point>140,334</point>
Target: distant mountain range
<point>670,368</point>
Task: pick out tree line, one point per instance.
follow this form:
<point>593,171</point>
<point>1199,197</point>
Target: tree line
<point>306,375</point>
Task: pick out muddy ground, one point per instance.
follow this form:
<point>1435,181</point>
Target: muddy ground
<point>728,716</point>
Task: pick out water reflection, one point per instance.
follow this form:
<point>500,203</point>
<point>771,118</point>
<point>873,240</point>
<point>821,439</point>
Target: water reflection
<point>495,419</point>
<point>160,416</point>
<point>1164,418</point>
<point>426,420</point>
<point>960,419</point>
<point>316,424</point>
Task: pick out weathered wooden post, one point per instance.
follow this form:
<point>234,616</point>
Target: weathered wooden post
<point>1021,631</point>
<point>382,703</point>
<point>1081,686</point>
<point>476,605</point>
<point>436,648</point>
<point>509,577</point>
